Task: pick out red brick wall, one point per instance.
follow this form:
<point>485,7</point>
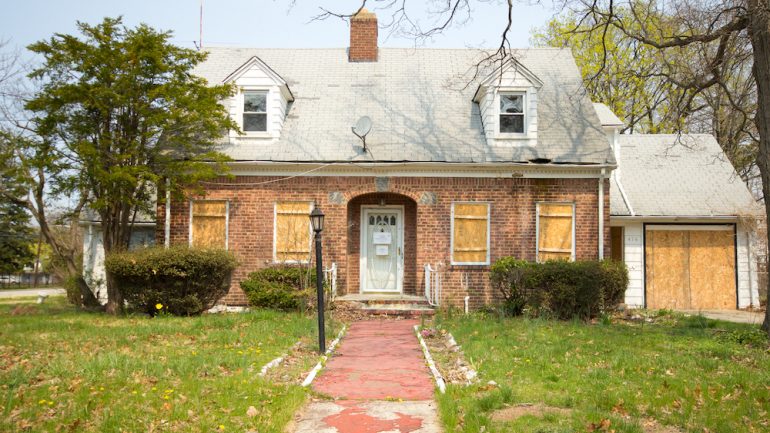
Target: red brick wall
<point>427,204</point>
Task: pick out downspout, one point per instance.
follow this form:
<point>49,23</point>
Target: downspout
<point>601,214</point>
<point>751,279</point>
<point>167,221</point>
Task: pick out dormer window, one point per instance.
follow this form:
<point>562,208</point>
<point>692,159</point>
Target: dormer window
<point>512,113</point>
<point>255,110</point>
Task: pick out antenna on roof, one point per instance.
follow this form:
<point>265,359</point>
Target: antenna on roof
<point>363,126</point>
<point>200,29</point>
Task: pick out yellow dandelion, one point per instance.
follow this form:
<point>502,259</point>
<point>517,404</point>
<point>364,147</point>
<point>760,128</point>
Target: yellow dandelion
<point>221,427</point>
<point>41,401</point>
<point>50,403</point>
<point>158,306</point>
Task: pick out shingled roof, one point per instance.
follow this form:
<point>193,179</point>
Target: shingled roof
<point>678,175</point>
<point>420,103</point>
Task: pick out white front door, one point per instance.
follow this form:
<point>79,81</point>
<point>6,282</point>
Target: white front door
<point>382,249</point>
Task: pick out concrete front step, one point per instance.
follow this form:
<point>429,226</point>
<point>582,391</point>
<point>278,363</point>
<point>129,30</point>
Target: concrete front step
<point>387,304</point>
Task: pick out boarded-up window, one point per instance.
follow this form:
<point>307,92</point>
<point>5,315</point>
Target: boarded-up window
<point>470,233</point>
<point>292,231</point>
<point>208,224</point>
<point>555,231</point>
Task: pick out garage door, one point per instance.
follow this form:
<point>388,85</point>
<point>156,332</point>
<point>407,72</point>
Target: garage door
<point>690,268</point>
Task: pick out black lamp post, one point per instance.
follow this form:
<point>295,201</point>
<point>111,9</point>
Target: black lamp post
<point>317,220</point>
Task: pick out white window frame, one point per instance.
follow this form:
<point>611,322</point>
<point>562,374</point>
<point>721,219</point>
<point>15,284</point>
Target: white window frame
<point>452,234</point>
<point>275,233</point>
<point>268,108</point>
<point>524,111</point>
<point>227,222</point>
<point>537,227</point>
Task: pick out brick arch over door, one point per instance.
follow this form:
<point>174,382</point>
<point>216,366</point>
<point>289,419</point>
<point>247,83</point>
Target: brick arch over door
<point>354,238</point>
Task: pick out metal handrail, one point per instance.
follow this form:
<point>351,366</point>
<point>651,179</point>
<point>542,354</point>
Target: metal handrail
<point>432,285</point>
<point>330,277</point>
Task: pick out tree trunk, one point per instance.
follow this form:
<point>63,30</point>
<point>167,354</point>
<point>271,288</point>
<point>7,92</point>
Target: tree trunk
<point>759,32</point>
<point>111,242</point>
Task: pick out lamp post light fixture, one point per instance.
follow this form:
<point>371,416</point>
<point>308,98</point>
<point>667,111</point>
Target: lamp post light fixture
<point>317,221</point>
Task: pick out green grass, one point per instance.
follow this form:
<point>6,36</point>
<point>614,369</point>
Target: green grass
<point>691,373</point>
<point>67,370</point>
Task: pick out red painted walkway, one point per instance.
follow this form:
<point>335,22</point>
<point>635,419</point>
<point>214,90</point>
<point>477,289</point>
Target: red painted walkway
<point>378,359</point>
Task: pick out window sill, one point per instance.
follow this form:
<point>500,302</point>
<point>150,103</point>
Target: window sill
<point>514,136</point>
<point>255,134</point>
<point>291,262</point>
<point>469,265</point>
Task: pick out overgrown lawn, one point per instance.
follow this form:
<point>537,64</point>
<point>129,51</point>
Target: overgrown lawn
<point>65,370</point>
<point>691,373</point>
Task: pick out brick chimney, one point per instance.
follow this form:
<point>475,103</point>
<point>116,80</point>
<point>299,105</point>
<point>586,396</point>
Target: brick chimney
<point>363,37</point>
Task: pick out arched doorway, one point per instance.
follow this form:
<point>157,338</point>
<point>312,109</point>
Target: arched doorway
<point>382,244</point>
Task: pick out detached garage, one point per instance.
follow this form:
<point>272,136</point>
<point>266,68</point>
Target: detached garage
<point>690,267</point>
<point>682,220</point>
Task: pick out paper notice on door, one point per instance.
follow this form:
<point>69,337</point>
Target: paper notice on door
<point>381,238</point>
<point>381,250</point>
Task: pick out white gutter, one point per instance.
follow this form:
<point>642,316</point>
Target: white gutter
<point>601,215</point>
<point>167,222</point>
<point>677,218</point>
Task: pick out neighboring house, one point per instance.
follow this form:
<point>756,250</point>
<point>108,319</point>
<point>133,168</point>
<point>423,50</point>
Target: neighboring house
<point>682,220</point>
<point>143,235</point>
<point>461,167</point>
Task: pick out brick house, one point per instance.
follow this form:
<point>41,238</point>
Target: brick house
<point>461,166</point>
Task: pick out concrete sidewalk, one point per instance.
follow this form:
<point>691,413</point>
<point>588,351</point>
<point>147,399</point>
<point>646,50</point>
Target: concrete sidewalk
<point>379,383</point>
<point>737,316</point>
<point>25,293</point>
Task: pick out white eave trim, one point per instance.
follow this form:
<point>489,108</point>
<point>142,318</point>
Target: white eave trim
<point>256,61</point>
<point>498,73</point>
<point>675,218</point>
<point>419,169</point>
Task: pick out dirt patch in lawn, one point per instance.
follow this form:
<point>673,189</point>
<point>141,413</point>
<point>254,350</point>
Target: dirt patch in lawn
<point>512,413</point>
<point>649,425</point>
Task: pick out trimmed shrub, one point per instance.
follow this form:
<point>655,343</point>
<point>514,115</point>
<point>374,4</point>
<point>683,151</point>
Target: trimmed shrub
<point>186,281</point>
<point>280,287</point>
<point>559,289</point>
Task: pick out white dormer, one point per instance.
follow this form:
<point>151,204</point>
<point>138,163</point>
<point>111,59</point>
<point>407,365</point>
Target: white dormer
<point>507,101</point>
<point>261,101</point>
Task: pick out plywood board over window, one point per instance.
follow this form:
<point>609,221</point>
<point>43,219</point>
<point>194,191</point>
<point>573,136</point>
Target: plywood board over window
<point>555,231</point>
<point>470,233</point>
<point>208,223</point>
<point>292,231</point>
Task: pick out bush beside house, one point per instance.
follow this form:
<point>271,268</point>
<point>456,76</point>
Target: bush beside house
<point>559,289</point>
<point>282,287</point>
<point>185,281</point>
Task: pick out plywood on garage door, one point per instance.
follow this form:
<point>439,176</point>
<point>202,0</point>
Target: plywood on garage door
<point>667,270</point>
<point>690,269</point>
<point>712,270</point>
